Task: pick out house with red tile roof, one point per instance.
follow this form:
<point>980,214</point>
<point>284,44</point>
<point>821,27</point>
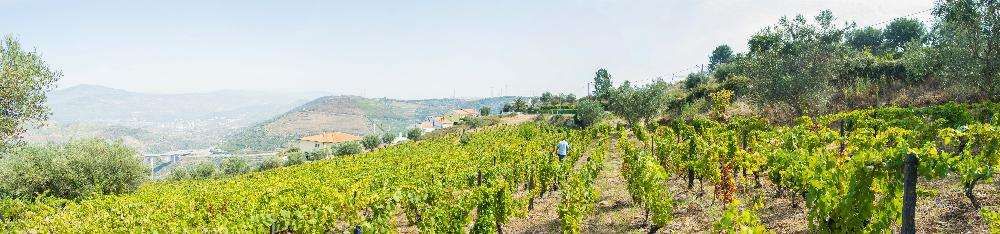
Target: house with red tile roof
<point>319,141</point>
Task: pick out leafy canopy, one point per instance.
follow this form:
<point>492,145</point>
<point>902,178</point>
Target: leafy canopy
<point>24,79</point>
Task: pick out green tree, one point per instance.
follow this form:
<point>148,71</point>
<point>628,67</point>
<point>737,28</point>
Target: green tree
<point>794,63</point>
<point>519,105</point>
<point>24,79</point>
<point>969,44</point>
<point>695,79</point>
<point>638,105</point>
<point>179,173</point>
<point>293,157</point>
<point>721,54</point>
<point>388,137</point>
<point>901,31</point>
<point>588,113</point>
<point>234,166</point>
<point>414,134</point>
<point>370,141</point>
<point>546,98</point>
<point>764,41</point>
<point>484,111</point>
<point>348,148</point>
<point>76,169</point>
<point>269,163</point>
<point>602,85</point>
<point>203,170</point>
<point>318,154</point>
<point>868,38</point>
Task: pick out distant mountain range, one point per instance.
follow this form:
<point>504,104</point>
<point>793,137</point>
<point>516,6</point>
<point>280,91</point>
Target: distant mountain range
<point>158,122</point>
<point>231,120</point>
<point>92,103</point>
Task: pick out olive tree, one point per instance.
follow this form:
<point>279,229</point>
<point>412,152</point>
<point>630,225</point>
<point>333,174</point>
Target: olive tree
<point>868,38</point>
<point>588,113</point>
<point>73,170</point>
<point>901,31</point>
<point>24,79</point>
<point>370,141</point>
<point>484,111</point>
<point>234,166</point>
<point>969,42</point>
<point>638,104</point>
<point>793,62</point>
<point>414,134</point>
<point>388,138</point>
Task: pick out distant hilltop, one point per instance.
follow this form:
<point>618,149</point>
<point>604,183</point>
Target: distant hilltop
<point>154,123</point>
<point>233,120</point>
<point>349,114</point>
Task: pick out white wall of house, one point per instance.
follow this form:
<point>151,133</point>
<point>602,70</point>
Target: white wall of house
<point>310,146</point>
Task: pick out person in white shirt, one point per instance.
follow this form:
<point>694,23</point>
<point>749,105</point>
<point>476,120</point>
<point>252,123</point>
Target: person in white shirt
<point>562,149</point>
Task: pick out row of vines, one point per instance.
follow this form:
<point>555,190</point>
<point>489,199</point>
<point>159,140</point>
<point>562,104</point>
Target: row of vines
<point>474,182</point>
<point>848,169</point>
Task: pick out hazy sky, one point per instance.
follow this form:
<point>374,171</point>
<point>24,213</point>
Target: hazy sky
<point>402,49</point>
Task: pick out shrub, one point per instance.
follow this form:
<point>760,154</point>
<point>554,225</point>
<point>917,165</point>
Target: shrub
<point>73,170</point>
<point>269,163</point>
<point>294,158</point>
<point>348,148</point>
<point>474,122</point>
<point>484,111</point>
<point>234,166</point>
<point>414,134</point>
<point>588,113</point>
<point>179,173</point>
<point>388,138</point>
<point>317,155</point>
<point>370,141</point>
<point>203,170</point>
<point>464,139</point>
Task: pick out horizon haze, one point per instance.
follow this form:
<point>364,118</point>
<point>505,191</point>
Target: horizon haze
<point>397,49</point>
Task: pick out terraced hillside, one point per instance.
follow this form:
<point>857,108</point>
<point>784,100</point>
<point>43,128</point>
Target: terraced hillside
<point>350,114</point>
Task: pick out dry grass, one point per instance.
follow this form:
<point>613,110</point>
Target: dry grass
<point>517,119</point>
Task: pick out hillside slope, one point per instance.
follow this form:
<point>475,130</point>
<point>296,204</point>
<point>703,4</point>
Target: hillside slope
<point>350,114</point>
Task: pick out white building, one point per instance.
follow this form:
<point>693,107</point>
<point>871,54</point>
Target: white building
<point>315,142</point>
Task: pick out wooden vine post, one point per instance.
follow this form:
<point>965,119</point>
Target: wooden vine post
<point>909,194</point>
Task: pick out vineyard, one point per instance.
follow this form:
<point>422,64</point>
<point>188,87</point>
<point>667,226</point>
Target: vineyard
<point>443,184</point>
<point>845,172</point>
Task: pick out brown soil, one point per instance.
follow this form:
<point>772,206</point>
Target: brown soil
<point>941,207</point>
<point>614,212</point>
<point>518,119</point>
<point>544,216</point>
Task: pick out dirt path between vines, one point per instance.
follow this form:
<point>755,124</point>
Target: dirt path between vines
<point>544,216</point>
<point>695,210</point>
<point>941,206</point>
<point>614,213</point>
